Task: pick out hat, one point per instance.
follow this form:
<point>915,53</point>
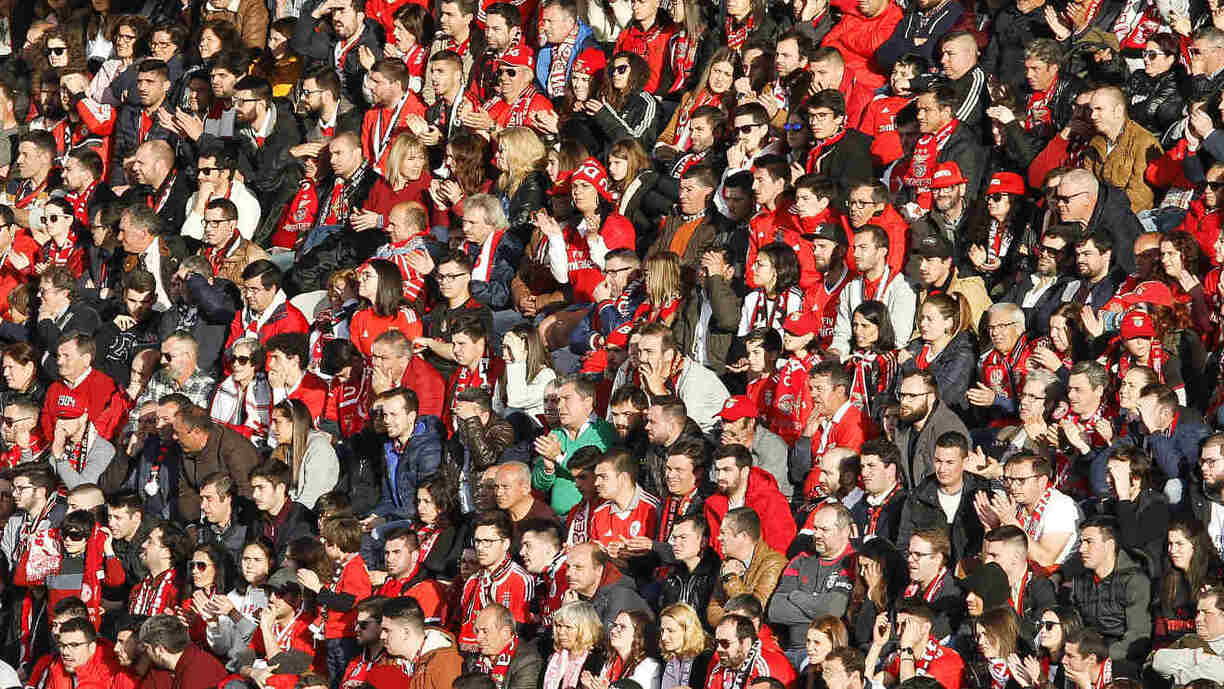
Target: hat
<point>518,56</point>
<point>593,173</point>
<point>1006,183</point>
<point>802,322</point>
<point>933,245</point>
<point>68,406</point>
<point>283,580</point>
<point>831,231</point>
<point>738,407</point>
<point>989,582</point>
<point>947,175</point>
<point>1100,37</point>
<point>1150,292</point>
<point>1137,324</point>
<point>619,337</point>
<point>591,60</point>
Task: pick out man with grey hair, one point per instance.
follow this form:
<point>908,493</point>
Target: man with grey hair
<point>1207,55</point>
<point>512,493</point>
<point>1084,199</point>
<point>494,252</point>
<point>180,372</point>
<point>1001,371</point>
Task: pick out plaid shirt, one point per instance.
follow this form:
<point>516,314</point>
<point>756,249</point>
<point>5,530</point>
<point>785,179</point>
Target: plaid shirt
<point>198,388</point>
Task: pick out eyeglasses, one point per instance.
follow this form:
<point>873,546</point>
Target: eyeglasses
<point>1031,396</point>
<point>247,100</point>
<point>856,203</point>
<point>822,115</point>
<point>362,624</point>
<point>447,277</point>
<point>1016,480</point>
<point>199,565</point>
<point>57,51</point>
<point>999,326</point>
<point>55,217</point>
<point>793,127</point>
<point>507,72</point>
<point>1198,52</point>
<point>1152,54</point>
<point>486,542</point>
<point>161,45</point>
<point>125,37</point>
<point>910,395</point>
<point>72,646</point>
<point>1215,186</point>
<point>617,271</point>
<point>620,69</point>
<point>996,197</point>
<point>10,421</point>
<point>214,223</point>
<point>207,170</point>
<point>21,489</point>
<point>746,128</point>
<point>75,535</point>
<point>242,359</point>
<point>1061,199</point>
<point>913,555</point>
<point>1049,625</point>
<point>724,643</point>
<point>310,92</point>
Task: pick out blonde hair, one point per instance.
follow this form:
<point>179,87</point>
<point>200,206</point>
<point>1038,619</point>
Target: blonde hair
<point>403,144</point>
<point>695,638</point>
<point>584,618</point>
<point>523,153</point>
<point>664,277</point>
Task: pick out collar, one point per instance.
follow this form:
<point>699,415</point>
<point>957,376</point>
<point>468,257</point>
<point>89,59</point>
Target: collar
<point>76,383</point>
<point>269,122</point>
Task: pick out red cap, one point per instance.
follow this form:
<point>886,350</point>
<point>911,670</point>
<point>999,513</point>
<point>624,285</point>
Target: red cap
<point>947,175</point>
<point>593,173</point>
<point>738,407</point>
<point>67,406</point>
<point>1137,324</point>
<point>589,62</point>
<point>802,322</point>
<point>1006,183</point>
<point>518,56</point>
<point>1150,292</point>
<point>619,337</point>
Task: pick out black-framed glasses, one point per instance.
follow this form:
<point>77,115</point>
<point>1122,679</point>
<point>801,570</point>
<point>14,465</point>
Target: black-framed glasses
<point>447,277</point>
<point>125,37</point>
<point>999,326</point>
<point>1050,250</point>
<point>1152,54</point>
<point>1061,198</point>
<point>208,224</point>
<point>618,271</point>
<point>161,45</point>
<point>1015,480</point>
<point>72,646</point>
<point>75,535</point>
<point>507,72</point>
<point>746,128</point>
<point>247,100</point>
<point>242,359</point>
<point>1216,185</point>
<point>911,395</point>
<point>311,92</point>
<point>57,51</point>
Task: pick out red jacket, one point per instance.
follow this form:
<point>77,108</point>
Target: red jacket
<point>107,404</point>
<point>374,135</point>
<point>354,581</point>
<point>10,277</point>
<point>858,95</point>
<point>311,391</point>
<point>427,383</point>
<point>198,669</point>
<point>767,227</point>
<point>1166,171</point>
<point>349,401</point>
<point>98,673</point>
<point>1204,224</point>
<point>777,524</point>
<point>849,427</point>
<point>653,45</point>
<point>285,318</point>
<point>880,123</point>
<point>898,238</point>
<point>858,37</point>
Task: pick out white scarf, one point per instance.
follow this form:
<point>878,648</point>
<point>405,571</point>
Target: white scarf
<point>257,401</point>
<point>262,320</point>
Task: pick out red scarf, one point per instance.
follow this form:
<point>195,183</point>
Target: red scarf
<point>673,509</point>
<point>80,203</point>
<point>821,149</point>
<point>682,121</point>
<point>27,193</point>
<point>932,589</point>
<point>460,49</point>
<point>1105,676</point>
<point>163,193</point>
<point>1038,116</point>
<point>498,668</point>
<point>873,374</point>
<point>579,524</point>
<point>874,511</point>
<point>924,159</point>
<point>77,453</point>
<point>1018,603</point>
<point>519,109</point>
<point>155,594</point>
<point>1030,521</point>
<point>736,36</point>
<point>56,255</point>
<point>216,254</point>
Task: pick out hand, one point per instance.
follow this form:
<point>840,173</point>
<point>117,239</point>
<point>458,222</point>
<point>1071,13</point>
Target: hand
<point>1055,22</point>
<point>1004,507</point>
<point>733,568</point>
<point>1104,428</point>
<point>602,291</point>
<point>309,580</point>
<point>743,86</point>
<point>59,440</point>
<point>549,448</point>
<point>712,263</point>
<point>108,546</point>
<point>378,577</point>
<point>372,522</point>
<point>980,396</point>
<point>191,126</point>
<point>1103,55</point>
<point>478,119</point>
<point>904,355</point>
<point>1180,24</point>
<point>1075,436</point>
<point>307,150</point>
<point>417,124</point>
<point>515,346</point>
<point>637,545</point>
<point>812,426</point>
<point>1121,475</point>
<point>871,572</point>
<point>222,605</point>
<point>739,366</point>
<point>570,596</point>
<point>548,224</point>
<point>199,601</point>
<point>166,119</point>
<point>452,191</point>
<point>545,120</point>
<point>527,305</point>
<point>977,256</point>
<point>431,136</point>
<point>124,322</point>
<point>980,464</point>
<point>592,106</point>
<point>736,155</point>
<point>1001,114</point>
<point>366,56</point>
<point>364,220</point>
<point>1200,122</point>
<point>985,511</point>
<point>881,631</point>
<point>655,381</point>
<point>797,171</point>
<point>421,262</point>
<point>1020,671</point>
<point>1047,359</point>
<point>1092,322</point>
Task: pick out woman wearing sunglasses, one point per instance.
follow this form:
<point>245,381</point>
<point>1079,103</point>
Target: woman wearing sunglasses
<point>1191,562</point>
<point>1156,100</point>
<point>209,570</point>
<point>63,247</point>
<point>997,232</point>
<point>624,109</point>
<point>74,561</point>
<point>1057,622</point>
<point>243,401</point>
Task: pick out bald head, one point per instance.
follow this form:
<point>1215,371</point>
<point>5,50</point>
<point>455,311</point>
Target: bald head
<point>152,163</point>
<point>1107,111</point>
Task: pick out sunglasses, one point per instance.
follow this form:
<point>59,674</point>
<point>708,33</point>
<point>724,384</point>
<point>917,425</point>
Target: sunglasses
<point>746,128</point>
<point>54,217</point>
<point>1048,625</point>
<point>620,69</point>
<point>242,359</point>
<point>1216,186</point>
<point>57,51</point>
<point>996,197</point>
<point>362,624</point>
<point>74,535</point>
<point>1152,54</point>
<point>199,565</point>
<point>1043,249</point>
<point>507,72</point>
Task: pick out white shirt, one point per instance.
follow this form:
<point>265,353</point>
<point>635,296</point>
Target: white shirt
<point>248,213</point>
<point>1061,515</point>
<point>152,256</point>
<point>1215,528</point>
<point>949,503</point>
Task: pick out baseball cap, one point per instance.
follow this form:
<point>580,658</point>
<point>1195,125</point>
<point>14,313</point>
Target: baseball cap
<point>947,175</point>
<point>1006,183</point>
<point>933,246</point>
<point>518,56</point>
<point>589,62</point>
<point>802,322</point>
<point>738,407</point>
<point>1137,324</point>
<point>831,231</point>
<point>1149,292</point>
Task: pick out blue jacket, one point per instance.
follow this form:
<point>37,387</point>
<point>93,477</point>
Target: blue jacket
<point>1174,453</point>
<point>586,39</point>
<point>606,316</point>
<point>419,460</point>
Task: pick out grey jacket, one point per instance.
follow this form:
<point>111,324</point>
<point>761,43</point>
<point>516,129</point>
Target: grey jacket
<point>98,456</point>
<point>918,464</point>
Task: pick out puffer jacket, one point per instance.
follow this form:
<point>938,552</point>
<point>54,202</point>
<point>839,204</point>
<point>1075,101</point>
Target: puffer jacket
<point>1156,102</point>
<point>417,462</point>
<point>954,369</point>
<point>1117,606</point>
<point>695,587</point>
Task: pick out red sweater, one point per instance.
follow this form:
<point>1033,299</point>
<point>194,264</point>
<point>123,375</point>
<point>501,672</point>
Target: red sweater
<point>107,405</point>
<point>428,385</point>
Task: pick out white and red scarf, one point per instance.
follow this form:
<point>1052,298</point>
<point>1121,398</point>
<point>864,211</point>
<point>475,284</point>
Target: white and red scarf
<point>155,594</point>
<point>931,590</point>
<point>924,160</point>
<point>558,68</point>
<point>737,35</point>
<point>498,668</point>
<point>1030,520</point>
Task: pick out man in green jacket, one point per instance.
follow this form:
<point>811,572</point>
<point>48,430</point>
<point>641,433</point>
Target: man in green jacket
<point>579,427</point>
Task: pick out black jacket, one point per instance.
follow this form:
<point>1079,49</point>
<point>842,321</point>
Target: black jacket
<point>923,511</point>
<point>126,139</point>
<point>639,118</point>
<point>47,332</point>
<point>115,347</point>
<point>645,207</point>
<point>313,39</point>
<point>1156,102</point>
<point>889,521</point>
<point>974,97</point>
<point>1113,215</point>
<point>1117,606</point>
<point>341,249</point>
<point>173,211</point>
<point>300,522</point>
<point>847,160</point>
<point>1037,316</point>
<point>912,29</point>
<point>1143,524</point>
<point>954,369</point>
<point>1024,145</point>
<point>917,452</point>
<point>695,587</point>
<point>206,313</point>
<point>1011,32</point>
<point>530,198</point>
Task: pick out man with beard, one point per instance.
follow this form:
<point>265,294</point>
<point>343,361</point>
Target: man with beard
<point>923,419</point>
<point>335,41</point>
<point>739,484</point>
<point>1206,498</point>
<point>218,177</point>
<point>949,215</point>
<point>1041,291</point>
<point>134,328</point>
<point>369,640</point>
<point>740,426</point>
<point>828,246</point>
<point>31,178</point>
<point>1100,278</point>
<point>818,582</point>
<point>667,423</point>
<point>83,661</point>
<point>517,99</point>
<point>132,125</point>
<point>740,661</point>
<point>876,281</point>
<point>202,306</point>
<point>502,31</point>
<point>1048,517</point>
<point>937,272</point>
<point>83,170</point>
<point>135,667</point>
<point>791,74</point>
<point>627,411</point>
<point>394,103</point>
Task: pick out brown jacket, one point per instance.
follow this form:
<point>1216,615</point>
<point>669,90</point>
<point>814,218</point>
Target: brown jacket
<point>250,16</point>
<point>1125,166</point>
<point>243,255</point>
<point>701,237</point>
<point>225,451</point>
<point>437,667</point>
<point>760,580</point>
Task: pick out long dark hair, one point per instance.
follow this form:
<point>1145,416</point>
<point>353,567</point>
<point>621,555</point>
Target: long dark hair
<point>224,566</point>
<point>390,291</point>
<point>892,567</point>
<point>1205,564</point>
<point>639,74</point>
<point>877,313</point>
<point>469,152</point>
<point>785,265</point>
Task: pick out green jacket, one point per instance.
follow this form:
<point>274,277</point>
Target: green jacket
<point>563,494</point>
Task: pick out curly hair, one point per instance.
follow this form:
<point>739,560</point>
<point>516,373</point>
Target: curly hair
<point>639,74</point>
